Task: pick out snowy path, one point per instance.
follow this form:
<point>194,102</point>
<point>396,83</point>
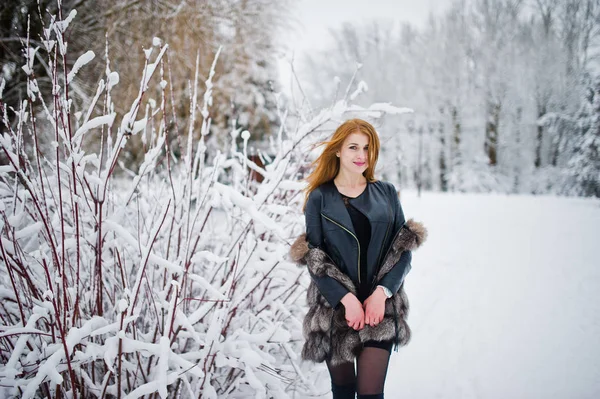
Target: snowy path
<point>504,299</point>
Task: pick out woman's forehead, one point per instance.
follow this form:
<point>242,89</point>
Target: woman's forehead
<point>357,138</point>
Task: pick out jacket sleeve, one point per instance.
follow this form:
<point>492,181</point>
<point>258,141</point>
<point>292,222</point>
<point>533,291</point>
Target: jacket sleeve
<point>395,277</point>
<point>331,289</point>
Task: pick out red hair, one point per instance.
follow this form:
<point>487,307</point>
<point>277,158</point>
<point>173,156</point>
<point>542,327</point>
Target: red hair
<point>327,165</point>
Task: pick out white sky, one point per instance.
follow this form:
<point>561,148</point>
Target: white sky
<point>316,16</point>
<point>313,18</point>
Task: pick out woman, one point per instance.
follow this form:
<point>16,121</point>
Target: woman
<point>357,248</point>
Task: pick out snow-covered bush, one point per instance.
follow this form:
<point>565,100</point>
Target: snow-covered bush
<point>172,280</point>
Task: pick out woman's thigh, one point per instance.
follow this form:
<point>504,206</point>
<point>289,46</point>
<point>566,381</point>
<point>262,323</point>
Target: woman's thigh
<point>372,365</point>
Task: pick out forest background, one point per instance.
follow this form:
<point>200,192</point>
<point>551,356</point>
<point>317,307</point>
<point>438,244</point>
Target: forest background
<point>502,91</point>
<point>151,165</point>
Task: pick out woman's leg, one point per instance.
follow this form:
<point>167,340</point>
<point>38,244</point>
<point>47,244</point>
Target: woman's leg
<point>343,380</point>
<point>372,368</point>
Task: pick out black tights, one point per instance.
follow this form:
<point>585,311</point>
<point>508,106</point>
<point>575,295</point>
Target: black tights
<point>369,379</point>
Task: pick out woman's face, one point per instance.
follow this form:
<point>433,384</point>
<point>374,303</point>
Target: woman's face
<point>354,153</point>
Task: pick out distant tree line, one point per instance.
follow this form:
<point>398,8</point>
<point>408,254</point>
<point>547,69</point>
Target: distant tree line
<point>504,91</point>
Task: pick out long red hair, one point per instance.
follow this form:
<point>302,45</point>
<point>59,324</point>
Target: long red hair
<point>327,165</point>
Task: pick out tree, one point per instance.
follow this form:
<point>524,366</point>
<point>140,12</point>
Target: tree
<point>584,166</point>
<point>195,30</point>
<point>494,90</point>
<point>246,30</point>
<point>22,21</point>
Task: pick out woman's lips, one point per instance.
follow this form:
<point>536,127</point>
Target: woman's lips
<point>359,163</point>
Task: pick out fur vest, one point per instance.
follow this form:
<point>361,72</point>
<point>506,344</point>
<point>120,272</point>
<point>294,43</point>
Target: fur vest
<point>326,332</point>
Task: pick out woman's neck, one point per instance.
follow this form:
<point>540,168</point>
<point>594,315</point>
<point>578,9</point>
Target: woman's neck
<point>351,181</point>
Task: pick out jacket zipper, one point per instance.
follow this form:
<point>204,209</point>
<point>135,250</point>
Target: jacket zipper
<point>330,219</point>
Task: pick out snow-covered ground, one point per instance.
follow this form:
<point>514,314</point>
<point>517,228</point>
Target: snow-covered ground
<point>504,299</point>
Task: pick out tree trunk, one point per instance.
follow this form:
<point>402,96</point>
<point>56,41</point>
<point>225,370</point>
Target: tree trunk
<point>442,160</point>
<point>456,127</point>
<point>517,182</point>
<point>539,139</point>
<point>420,163</point>
<point>491,133</point>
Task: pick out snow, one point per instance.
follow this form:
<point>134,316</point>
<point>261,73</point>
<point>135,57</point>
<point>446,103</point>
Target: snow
<point>6,168</point>
<point>156,259</point>
<point>389,109</point>
<point>112,80</point>
<point>255,382</point>
<point>503,299</point>
<point>138,126</point>
<point>360,88</point>
<point>197,286</point>
<point>150,68</point>
<point>94,123</point>
<point>28,67</point>
<point>10,370</point>
<point>29,231</point>
<point>61,26</point>
<point>151,387</point>
<point>81,61</point>
<point>502,296</point>
<point>249,206</point>
<point>215,294</point>
<point>50,368</point>
<point>209,256</point>
<point>49,44</point>
<point>163,366</point>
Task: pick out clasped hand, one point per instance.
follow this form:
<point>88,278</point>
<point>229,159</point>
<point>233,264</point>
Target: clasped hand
<point>370,312</point>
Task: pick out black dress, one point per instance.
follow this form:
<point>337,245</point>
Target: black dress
<point>362,227</point>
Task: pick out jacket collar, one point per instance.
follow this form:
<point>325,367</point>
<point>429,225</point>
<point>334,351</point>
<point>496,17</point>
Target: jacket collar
<point>367,202</point>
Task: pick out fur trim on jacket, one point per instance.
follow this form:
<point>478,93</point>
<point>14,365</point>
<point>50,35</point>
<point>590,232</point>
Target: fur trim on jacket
<point>324,327</point>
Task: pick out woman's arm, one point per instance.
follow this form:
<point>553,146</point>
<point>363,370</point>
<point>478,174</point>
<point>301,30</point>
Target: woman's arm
<point>394,278</point>
<point>331,289</point>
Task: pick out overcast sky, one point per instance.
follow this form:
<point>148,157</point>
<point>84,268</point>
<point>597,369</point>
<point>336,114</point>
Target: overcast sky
<point>316,16</point>
<point>313,18</point>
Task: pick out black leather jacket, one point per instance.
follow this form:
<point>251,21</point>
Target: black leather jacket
<point>329,227</point>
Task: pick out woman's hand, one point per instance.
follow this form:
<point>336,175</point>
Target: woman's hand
<point>375,307</point>
<point>355,316</point>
